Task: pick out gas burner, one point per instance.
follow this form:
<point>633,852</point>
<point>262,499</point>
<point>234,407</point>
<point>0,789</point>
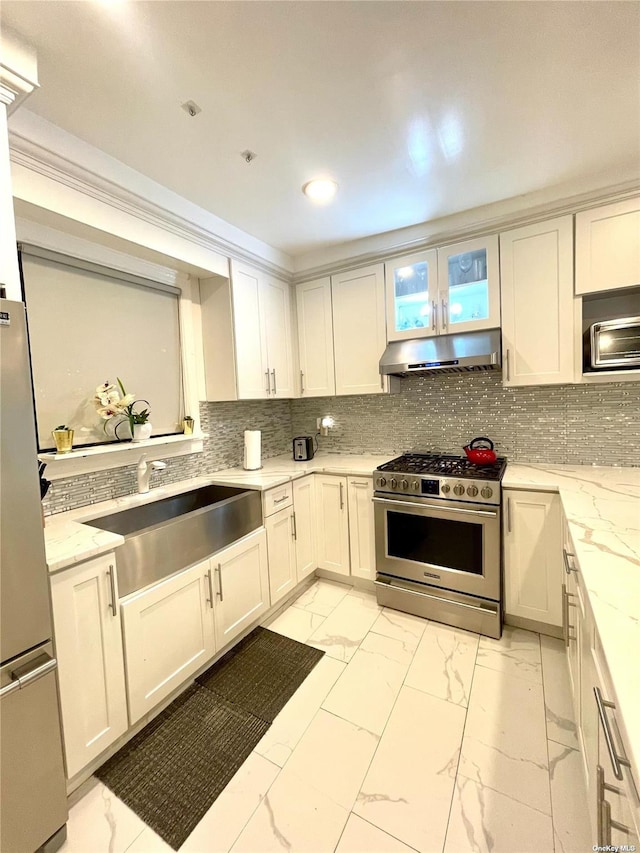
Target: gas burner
<point>448,466</point>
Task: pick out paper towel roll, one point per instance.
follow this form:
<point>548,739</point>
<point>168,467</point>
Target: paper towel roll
<point>252,439</point>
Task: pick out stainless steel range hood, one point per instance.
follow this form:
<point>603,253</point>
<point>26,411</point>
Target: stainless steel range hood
<point>443,354</point>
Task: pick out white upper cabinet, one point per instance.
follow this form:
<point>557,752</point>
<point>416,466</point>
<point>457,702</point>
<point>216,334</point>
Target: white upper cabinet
<point>538,321</point>
<point>468,286</point>
<point>262,327</point>
<point>315,339</point>
<point>359,330</point>
<point>608,247</point>
<point>412,296</point>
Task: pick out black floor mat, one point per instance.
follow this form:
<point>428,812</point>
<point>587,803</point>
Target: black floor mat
<point>261,673</point>
<point>172,771</point>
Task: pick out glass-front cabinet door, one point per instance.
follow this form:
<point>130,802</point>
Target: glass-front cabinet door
<point>469,286</point>
<point>411,284</point>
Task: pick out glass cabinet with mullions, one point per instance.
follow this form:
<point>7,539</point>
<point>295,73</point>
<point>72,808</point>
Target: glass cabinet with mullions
<point>443,291</point>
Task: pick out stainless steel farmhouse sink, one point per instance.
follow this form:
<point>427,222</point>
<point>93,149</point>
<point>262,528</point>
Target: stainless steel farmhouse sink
<point>170,534</point>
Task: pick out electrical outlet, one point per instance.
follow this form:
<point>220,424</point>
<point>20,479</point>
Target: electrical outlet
<point>318,423</point>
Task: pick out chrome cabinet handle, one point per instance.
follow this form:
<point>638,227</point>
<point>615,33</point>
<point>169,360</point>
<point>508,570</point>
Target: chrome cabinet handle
<point>616,760</point>
<point>508,515</point>
<point>279,500</point>
<point>301,382</point>
<point>266,373</point>
<point>434,315</point>
<point>506,363</point>
<point>113,603</point>
<point>341,497</point>
<point>445,314</point>
<point>567,565</point>
<point>294,529</point>
<point>566,604</point>
<point>273,373</point>
<point>210,582</point>
<point>219,571</point>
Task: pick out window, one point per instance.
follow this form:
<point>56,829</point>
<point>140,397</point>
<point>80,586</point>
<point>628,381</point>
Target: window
<point>87,324</point>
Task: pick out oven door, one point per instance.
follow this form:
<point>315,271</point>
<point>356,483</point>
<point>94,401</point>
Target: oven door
<point>443,543</point>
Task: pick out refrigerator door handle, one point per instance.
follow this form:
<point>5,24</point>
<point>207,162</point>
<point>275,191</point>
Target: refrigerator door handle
<point>26,675</point>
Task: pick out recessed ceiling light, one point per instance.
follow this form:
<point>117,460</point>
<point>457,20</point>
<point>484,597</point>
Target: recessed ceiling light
<point>321,190</point>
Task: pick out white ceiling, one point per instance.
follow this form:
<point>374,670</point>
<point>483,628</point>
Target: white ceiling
<point>417,109</point>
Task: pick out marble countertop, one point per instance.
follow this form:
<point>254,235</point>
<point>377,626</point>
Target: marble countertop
<point>602,506</point>
<point>70,538</point>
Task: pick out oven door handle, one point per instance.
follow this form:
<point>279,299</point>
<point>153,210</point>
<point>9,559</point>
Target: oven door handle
<point>483,512</point>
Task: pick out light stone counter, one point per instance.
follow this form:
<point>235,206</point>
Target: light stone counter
<point>602,506</point>
<point>69,538</point>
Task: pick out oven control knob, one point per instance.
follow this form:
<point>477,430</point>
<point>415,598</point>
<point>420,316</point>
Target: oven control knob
<point>415,485</point>
<point>458,489</point>
<point>487,492</point>
<point>382,482</point>
<point>393,482</point>
<point>404,484</point>
<point>472,491</point>
<point>445,488</point>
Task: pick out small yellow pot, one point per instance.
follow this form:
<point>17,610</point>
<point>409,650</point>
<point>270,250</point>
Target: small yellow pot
<point>63,439</point>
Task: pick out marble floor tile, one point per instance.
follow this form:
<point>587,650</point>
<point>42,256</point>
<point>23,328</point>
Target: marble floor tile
<point>561,725</point>
<point>101,823</point>
<point>400,626</point>
<point>288,727</point>
<point>505,745</point>
<point>517,653</point>
<point>334,755</point>
<point>367,689</point>
<point>571,823</point>
<point>322,597</point>
<point>296,623</point>
<point>346,626</point>
<point>485,821</point>
<point>407,791</point>
<point>149,842</point>
<point>362,837</point>
<point>227,817</point>
<point>293,816</point>
<point>444,662</point>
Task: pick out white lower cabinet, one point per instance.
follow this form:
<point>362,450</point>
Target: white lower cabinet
<point>241,585</point>
<point>532,556</point>
<point>168,635</point>
<point>304,517</point>
<point>361,535</point>
<point>88,642</point>
<point>614,806</point>
<point>332,523</point>
<point>281,550</point>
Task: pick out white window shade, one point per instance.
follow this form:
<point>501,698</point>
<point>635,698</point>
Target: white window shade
<point>89,324</point>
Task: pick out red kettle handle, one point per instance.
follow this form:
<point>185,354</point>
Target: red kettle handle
<point>472,445</point>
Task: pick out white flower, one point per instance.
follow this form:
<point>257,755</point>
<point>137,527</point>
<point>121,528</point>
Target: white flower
<point>105,388</point>
<point>107,412</point>
<point>126,400</point>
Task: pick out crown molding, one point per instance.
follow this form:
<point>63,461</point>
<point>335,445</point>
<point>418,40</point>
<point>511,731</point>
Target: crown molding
<point>48,163</point>
<point>482,227</point>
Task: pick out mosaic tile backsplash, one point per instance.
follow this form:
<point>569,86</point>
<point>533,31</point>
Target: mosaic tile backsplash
<point>574,424</point>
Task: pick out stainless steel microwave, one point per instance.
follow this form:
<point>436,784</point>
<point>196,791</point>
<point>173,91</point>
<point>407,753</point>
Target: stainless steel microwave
<point>615,344</point>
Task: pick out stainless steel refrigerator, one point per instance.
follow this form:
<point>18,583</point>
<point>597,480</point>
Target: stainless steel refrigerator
<point>33,803</point>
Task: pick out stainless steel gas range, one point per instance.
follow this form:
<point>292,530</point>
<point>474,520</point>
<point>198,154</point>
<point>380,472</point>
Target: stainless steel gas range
<point>437,529</point>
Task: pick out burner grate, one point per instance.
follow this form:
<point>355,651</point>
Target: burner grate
<point>451,466</point>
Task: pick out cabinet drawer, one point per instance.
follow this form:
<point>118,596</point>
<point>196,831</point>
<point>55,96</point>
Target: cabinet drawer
<point>276,499</point>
